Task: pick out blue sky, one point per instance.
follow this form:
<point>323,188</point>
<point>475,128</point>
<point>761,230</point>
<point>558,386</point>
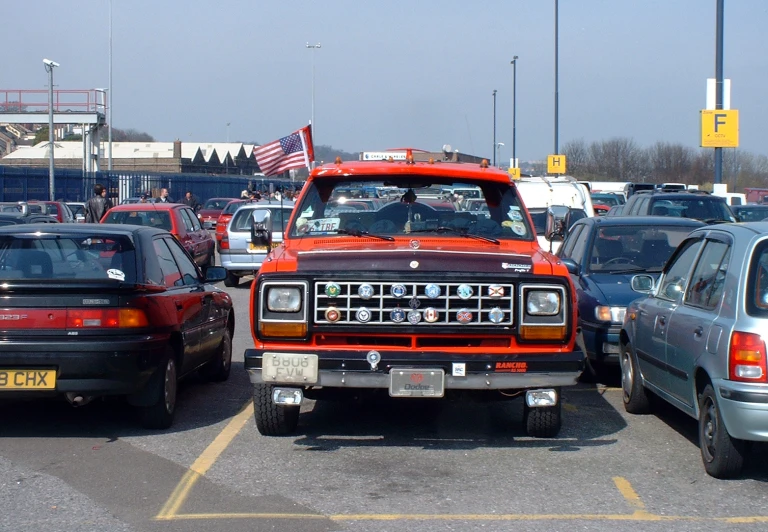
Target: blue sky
<point>396,73</point>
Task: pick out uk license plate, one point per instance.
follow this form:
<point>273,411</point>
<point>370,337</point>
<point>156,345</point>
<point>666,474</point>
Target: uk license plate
<point>254,247</point>
<point>422,382</point>
<point>27,379</point>
<point>289,368</point>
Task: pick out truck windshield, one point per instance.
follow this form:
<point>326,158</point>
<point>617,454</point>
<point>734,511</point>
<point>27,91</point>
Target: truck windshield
<point>379,207</point>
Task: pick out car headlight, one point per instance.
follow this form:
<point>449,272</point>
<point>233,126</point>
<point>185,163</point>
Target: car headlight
<point>542,303</point>
<point>284,299</point>
<point>612,314</point>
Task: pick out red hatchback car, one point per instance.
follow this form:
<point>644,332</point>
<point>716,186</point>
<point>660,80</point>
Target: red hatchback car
<point>57,209</point>
<point>176,218</point>
<point>211,210</point>
<point>225,217</point>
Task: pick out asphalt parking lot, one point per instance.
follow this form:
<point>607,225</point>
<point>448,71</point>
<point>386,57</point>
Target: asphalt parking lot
<point>390,464</point>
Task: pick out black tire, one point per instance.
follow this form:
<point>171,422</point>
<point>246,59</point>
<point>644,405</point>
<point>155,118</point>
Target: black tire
<point>231,280</point>
<point>543,421</point>
<point>723,456</point>
<point>636,397</point>
<point>272,419</point>
<point>160,414</point>
<point>218,369</point>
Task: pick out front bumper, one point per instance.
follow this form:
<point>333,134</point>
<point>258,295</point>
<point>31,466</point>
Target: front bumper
<point>349,369</point>
<point>602,341</point>
<point>744,408</point>
<point>119,366</point>
<point>241,261</point>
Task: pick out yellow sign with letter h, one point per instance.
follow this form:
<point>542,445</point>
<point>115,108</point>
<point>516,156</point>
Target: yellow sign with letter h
<point>556,164</point>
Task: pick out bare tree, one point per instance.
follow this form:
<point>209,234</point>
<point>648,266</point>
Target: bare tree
<point>577,157</point>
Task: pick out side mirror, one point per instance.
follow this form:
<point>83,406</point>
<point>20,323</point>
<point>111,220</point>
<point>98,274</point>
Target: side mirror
<point>261,228</point>
<point>571,265</point>
<point>555,226</point>
<point>642,283</point>
<point>573,216</point>
<point>215,274</point>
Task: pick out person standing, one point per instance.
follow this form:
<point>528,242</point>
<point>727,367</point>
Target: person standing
<point>98,205</point>
<point>191,201</point>
<point>164,198</point>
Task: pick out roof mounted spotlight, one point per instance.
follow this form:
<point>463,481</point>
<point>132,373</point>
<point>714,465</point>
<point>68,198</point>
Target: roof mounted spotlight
<point>338,160</point>
<point>484,163</point>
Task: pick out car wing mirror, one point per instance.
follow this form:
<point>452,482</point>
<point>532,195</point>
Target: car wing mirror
<point>571,265</point>
<point>261,228</point>
<point>214,274</point>
<point>555,226</point>
<point>642,283</point>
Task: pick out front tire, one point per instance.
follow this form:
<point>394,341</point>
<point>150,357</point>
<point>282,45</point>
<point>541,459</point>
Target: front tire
<point>635,395</point>
<point>218,369</point>
<point>160,414</point>
<point>272,419</point>
<point>723,455</point>
<point>543,421</point>
<point>231,280</point>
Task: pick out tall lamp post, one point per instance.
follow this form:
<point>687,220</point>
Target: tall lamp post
<point>514,110</point>
<point>719,82</point>
<point>313,47</point>
<point>49,66</point>
<point>109,93</point>
<point>556,80</point>
<point>494,127</point>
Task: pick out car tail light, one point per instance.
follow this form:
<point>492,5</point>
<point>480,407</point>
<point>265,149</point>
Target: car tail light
<point>106,318</point>
<point>747,358</point>
<point>225,241</point>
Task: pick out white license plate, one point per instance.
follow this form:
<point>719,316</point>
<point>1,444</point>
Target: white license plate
<point>422,382</point>
<point>289,368</point>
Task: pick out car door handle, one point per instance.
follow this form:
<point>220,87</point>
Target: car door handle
<point>698,331</point>
<point>179,304</point>
<point>662,320</point>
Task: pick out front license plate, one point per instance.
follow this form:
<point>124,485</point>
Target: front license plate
<point>289,368</point>
<point>410,382</point>
<point>27,379</point>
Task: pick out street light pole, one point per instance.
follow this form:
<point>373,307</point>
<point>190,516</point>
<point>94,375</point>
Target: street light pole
<point>109,92</point>
<point>556,80</point>
<point>498,151</point>
<point>313,47</point>
<point>719,83</point>
<point>514,110</point>
<point>49,66</point>
<point>494,127</point>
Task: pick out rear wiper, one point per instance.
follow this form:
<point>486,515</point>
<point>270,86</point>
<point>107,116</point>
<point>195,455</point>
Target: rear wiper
<point>460,232</point>
<point>359,233</point>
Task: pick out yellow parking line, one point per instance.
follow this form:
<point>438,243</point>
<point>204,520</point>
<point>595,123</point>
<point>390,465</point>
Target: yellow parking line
<point>203,463</point>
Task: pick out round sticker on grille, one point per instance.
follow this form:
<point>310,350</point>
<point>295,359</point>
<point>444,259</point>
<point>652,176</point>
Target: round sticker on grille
<point>431,315</point>
<point>332,314</point>
<point>414,303</point>
<point>464,315</point>
<point>397,315</point>
<point>415,244</point>
<point>414,264</point>
<point>414,317</point>
<point>398,290</point>
<point>363,315</point>
<point>432,290</point>
<point>495,291</point>
<point>496,315</point>
<point>365,291</point>
<point>465,291</point>
<point>332,289</point>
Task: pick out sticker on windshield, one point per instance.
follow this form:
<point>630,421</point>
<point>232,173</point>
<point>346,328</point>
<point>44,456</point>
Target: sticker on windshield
<point>116,275</point>
<point>323,226</point>
<point>514,214</point>
<point>518,228</point>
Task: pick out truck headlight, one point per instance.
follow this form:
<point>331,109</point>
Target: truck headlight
<point>284,299</point>
<point>612,314</point>
<point>542,303</point>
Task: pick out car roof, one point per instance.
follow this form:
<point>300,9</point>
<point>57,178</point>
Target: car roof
<point>74,229</point>
<point>395,170</point>
<point>670,221</point>
<point>753,228</point>
<point>148,207</point>
<point>270,203</point>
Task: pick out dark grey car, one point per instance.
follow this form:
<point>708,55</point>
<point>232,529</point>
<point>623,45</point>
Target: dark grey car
<point>697,341</point>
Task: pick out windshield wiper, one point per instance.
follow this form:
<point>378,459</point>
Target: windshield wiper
<point>359,233</point>
<point>460,232</point>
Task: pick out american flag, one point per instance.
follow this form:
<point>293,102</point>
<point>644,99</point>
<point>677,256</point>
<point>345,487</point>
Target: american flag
<point>293,151</point>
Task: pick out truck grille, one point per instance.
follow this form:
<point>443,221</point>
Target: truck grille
<point>413,303</point>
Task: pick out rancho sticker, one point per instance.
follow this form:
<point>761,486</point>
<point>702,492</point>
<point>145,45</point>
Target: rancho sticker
<point>511,367</point>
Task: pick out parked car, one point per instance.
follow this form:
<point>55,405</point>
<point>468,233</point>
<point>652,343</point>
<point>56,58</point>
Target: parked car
<point>57,209</point>
<point>176,218</point>
<point>224,218</point>
<point>750,212</point>
<point>600,210</point>
<point>16,218</point>
<point>138,199</point>
<point>602,255</point>
<point>211,210</point>
<point>694,204</point>
<point>697,341</point>
<point>96,310</point>
<point>609,199</point>
<point>239,256</point>
<point>78,210</point>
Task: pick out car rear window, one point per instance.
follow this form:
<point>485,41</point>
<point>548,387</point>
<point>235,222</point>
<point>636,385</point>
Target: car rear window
<point>232,207</point>
<point>67,257</point>
<point>242,219</point>
<point>216,203</point>
<point>159,219</point>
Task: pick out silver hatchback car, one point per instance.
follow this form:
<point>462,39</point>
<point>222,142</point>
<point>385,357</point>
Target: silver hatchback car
<point>697,341</point>
<point>238,255</point>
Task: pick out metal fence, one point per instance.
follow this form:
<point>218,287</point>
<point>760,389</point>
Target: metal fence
<point>22,184</point>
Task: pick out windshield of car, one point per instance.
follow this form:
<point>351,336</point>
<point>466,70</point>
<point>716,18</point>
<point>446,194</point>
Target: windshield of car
<point>698,208</point>
<point>67,257</point>
<point>216,203</point>
<point>751,213</point>
<point>241,221</point>
<point>231,207</point>
<point>634,247</point>
<point>159,219</point>
<point>606,199</point>
<point>417,205</point>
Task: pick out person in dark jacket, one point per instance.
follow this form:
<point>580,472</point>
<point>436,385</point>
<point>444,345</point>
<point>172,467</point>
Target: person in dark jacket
<point>164,197</point>
<point>98,205</point>
<point>190,200</point>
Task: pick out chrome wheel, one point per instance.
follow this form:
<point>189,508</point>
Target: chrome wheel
<point>627,375</point>
<point>170,385</point>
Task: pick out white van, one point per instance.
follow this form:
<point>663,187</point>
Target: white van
<point>538,193</point>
